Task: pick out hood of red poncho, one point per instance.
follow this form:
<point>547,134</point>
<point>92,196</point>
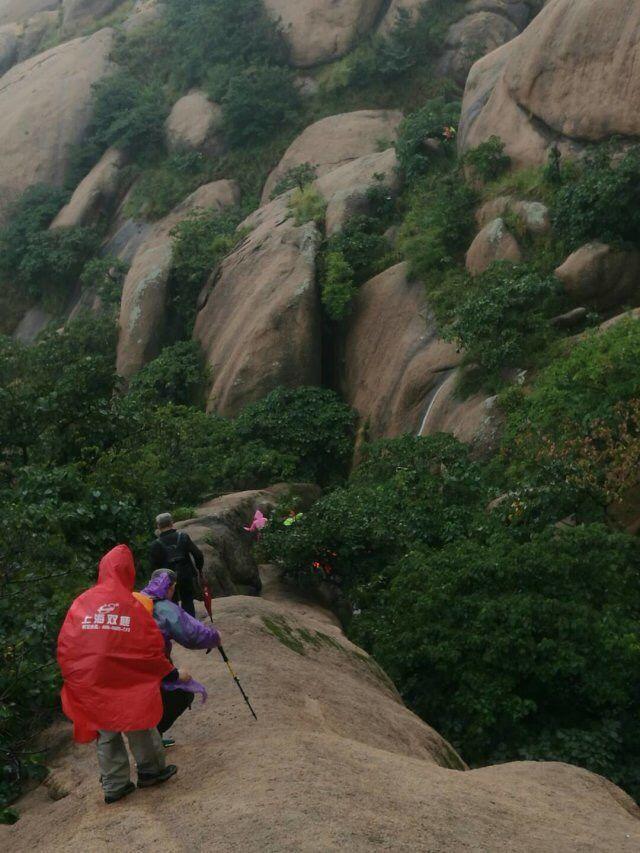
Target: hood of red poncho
<point>111,655</point>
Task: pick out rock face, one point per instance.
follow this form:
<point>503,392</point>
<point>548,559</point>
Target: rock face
<point>260,322</point>
<point>494,243</point>
<point>600,274</point>
<point>142,311</point>
<point>45,106</point>
<point>9,42</point>
<point>21,10</point>
<point>472,38</point>
<point>195,124</point>
<point>336,140</point>
<point>218,530</point>
<point>95,194</point>
<point>320,31</point>
<point>559,83</point>
<point>533,216</point>
<point>34,321</point>
<point>335,762</point>
<point>77,13</point>
<point>393,357</point>
<point>476,421</point>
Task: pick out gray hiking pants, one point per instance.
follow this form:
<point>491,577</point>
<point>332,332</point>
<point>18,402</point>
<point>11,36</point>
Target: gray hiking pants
<point>113,760</point>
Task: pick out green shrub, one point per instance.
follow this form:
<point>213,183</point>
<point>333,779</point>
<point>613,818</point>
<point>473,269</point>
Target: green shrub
<point>429,122</point>
<point>438,225</point>
<point>362,246</point>
<point>307,205</point>
<point>295,178</point>
<point>200,242</point>
<point>504,317</point>
<point>311,424</point>
<point>488,161</point>
<point>257,103</point>
<point>178,375</point>
<point>162,186</point>
<point>338,286</point>
<point>107,275</point>
<point>408,490</point>
<point>542,668</point>
<point>128,113</point>
<point>601,202</point>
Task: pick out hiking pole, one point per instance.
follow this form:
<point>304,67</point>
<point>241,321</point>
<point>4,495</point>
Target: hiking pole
<point>237,680</point>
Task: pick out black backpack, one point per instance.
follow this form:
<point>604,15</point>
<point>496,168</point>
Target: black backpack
<point>177,558</point>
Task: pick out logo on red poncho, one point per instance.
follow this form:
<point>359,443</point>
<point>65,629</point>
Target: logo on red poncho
<point>104,619</point>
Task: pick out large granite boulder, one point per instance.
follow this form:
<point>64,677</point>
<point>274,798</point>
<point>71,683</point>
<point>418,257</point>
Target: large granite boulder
<point>601,274</point>
<point>96,194</point>
<point>320,31</point>
<point>144,296</point>
<point>472,38</point>
<point>218,530</point>
<point>195,124</point>
<point>559,82</point>
<point>12,11</point>
<point>336,140</point>
<point>9,42</point>
<point>494,243</point>
<point>45,104</point>
<point>393,358</point>
<point>260,320</point>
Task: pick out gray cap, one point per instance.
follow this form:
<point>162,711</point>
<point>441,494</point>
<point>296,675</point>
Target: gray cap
<point>165,519</point>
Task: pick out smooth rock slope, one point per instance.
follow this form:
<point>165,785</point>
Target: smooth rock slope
<point>335,762</point>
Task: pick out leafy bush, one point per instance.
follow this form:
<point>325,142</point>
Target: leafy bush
<point>407,490</point>
<point>128,113</point>
<point>438,224</point>
<point>601,202</point>
<point>200,242</point>
<point>430,122</point>
<point>363,247</point>
<point>177,376</point>
<point>488,161</point>
<point>295,178</point>
<point>338,286</point>
<point>257,102</point>
<point>310,424</point>
<point>163,185</point>
<point>36,260</point>
<point>541,669</point>
<point>504,317</point>
<point>107,275</point>
<point>307,205</point>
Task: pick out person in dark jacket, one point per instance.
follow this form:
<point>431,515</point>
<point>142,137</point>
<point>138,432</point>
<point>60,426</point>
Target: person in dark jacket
<point>176,626</point>
<point>174,549</point>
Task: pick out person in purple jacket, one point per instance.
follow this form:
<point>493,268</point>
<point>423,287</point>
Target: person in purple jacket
<point>176,625</point>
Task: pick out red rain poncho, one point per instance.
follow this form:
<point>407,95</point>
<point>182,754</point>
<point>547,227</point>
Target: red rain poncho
<point>111,654</point>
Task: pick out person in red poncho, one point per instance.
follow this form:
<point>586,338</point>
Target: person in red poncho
<point>112,659</point>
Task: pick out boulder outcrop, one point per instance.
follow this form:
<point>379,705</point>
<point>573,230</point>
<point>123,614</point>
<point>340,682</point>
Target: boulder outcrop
<point>532,216</point>
<point>45,104</point>
<point>12,11</point>
<point>601,274</point>
<point>472,38</point>
<point>393,358</point>
<point>335,762</point>
<point>195,124</point>
<point>558,84</point>
<point>144,296</point>
<point>9,41</point>
<point>95,194</point>
<point>494,243</point>
<point>259,324</point>
<point>320,31</point>
<point>336,140</point>
<point>218,530</point>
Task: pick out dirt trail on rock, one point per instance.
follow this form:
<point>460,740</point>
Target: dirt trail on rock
<point>335,762</point>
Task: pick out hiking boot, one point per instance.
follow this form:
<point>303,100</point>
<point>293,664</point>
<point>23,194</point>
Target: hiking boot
<point>129,788</point>
<point>146,780</point>
<point>168,742</point>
